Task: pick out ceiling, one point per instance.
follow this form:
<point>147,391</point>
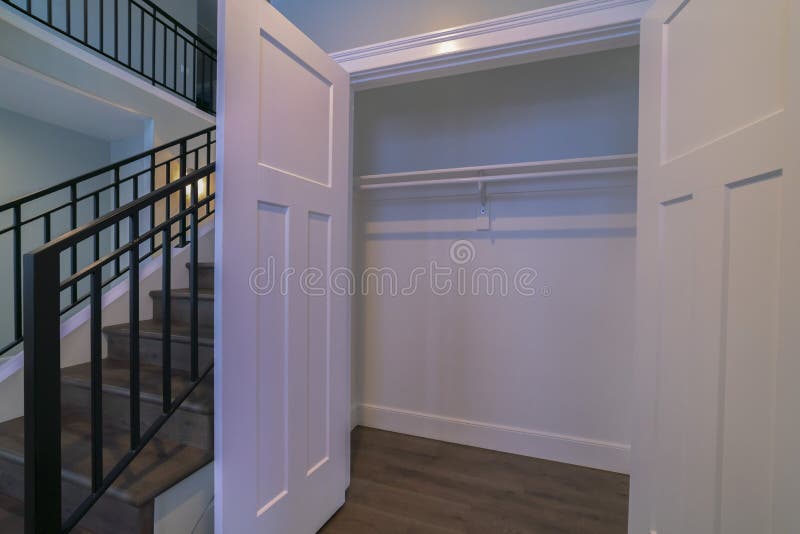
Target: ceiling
<point>41,97</point>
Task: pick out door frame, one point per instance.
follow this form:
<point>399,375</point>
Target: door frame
<point>573,28</point>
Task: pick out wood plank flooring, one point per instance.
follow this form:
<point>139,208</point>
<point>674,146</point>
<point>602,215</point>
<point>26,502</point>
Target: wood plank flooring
<point>402,485</point>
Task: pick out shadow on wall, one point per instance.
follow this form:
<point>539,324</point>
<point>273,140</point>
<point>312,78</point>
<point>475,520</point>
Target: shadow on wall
<point>566,108</point>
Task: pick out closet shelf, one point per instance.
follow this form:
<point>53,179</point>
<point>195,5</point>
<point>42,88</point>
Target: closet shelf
<point>515,172</point>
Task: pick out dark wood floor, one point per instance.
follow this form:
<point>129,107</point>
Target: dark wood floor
<point>403,484</point>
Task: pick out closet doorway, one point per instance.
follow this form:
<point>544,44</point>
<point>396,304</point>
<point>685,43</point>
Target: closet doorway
<point>494,253</point>
<point>494,241</point>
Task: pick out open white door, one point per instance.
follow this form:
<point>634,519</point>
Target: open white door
<point>282,396</point>
<point>718,350</point>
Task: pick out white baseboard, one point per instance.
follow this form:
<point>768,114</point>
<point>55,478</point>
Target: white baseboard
<point>355,416</point>
<point>574,450</point>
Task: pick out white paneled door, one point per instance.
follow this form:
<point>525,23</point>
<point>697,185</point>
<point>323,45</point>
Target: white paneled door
<point>282,395</point>
<point>716,437</point>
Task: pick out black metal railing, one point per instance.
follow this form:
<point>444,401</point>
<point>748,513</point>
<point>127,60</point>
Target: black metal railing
<point>138,35</point>
<point>37,218</point>
<point>43,281</point>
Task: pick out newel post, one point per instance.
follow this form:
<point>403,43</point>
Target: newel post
<point>41,303</point>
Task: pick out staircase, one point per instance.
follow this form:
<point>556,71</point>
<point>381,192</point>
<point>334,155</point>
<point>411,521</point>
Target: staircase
<point>100,441</point>
<point>182,446</point>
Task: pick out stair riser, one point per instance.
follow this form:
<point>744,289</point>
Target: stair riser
<point>180,309</point>
<point>150,352</point>
<point>205,278</point>
<point>185,426</point>
<point>108,515</point>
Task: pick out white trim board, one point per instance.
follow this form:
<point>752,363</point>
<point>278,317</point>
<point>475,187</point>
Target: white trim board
<point>578,27</point>
<point>573,450</point>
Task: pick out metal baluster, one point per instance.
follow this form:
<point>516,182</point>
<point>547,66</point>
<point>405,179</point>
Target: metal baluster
<point>130,36</point>
<point>153,206</point>
<point>116,30</point>
<point>182,196</point>
<point>116,225</point>
<point>164,64</point>
<point>141,41</point>
<point>73,191</point>
<point>175,61</point>
<point>185,68</point>
<point>208,178</point>
<point>17,272</point>
<point>69,17</point>
<point>86,21</point>
<point>102,22</point>
<point>194,324</point>
<point>96,199</point>
<point>96,300</point>
<point>208,153</point>
<point>166,318</point>
<point>47,225</point>
<point>133,278</point>
<point>49,11</point>
<point>153,65</point>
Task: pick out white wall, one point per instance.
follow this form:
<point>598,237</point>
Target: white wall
<point>32,152</point>
<point>345,24</point>
<point>556,369</point>
<point>34,155</point>
<point>573,107</point>
<point>549,375</point>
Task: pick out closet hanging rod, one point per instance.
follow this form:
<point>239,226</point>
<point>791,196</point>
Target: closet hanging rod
<point>487,179</point>
<point>542,192</point>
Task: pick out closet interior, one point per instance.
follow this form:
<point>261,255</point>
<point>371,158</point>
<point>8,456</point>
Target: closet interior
<point>494,241</point>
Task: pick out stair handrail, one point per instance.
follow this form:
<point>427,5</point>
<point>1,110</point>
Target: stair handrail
<point>43,283</point>
<point>190,151</point>
<point>193,48</point>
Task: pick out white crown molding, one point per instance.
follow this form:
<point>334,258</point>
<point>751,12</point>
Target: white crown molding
<point>578,27</point>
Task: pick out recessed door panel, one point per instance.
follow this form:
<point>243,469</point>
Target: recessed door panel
<point>273,356</point>
<point>319,343</point>
<point>751,348</point>
<point>302,122</point>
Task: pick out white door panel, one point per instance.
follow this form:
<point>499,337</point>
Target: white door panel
<point>282,339</point>
<point>717,190</point>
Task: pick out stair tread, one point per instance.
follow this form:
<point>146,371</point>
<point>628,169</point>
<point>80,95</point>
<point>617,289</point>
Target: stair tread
<point>202,264</point>
<point>12,515</point>
<point>162,464</point>
<point>116,380</point>
<point>202,293</point>
<point>152,328</point>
